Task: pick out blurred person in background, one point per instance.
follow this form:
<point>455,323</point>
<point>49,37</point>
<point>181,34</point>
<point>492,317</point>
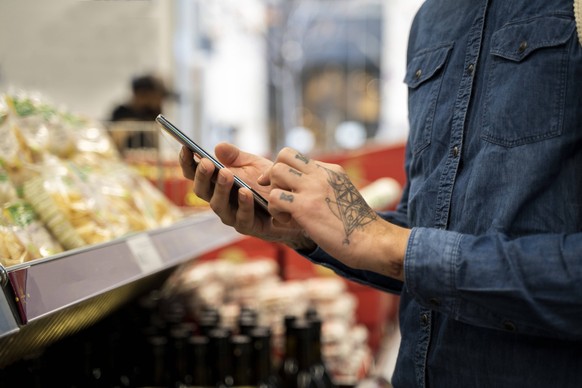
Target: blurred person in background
<point>148,93</point>
<point>485,247</point>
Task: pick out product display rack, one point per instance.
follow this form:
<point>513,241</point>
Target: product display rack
<point>47,299</point>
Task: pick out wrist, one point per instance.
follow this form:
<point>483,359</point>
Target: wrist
<point>298,241</point>
<point>388,243</point>
<point>302,243</point>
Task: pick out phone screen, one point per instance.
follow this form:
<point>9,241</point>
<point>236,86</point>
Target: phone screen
<point>201,152</point>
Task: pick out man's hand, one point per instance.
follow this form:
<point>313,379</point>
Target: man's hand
<point>312,203</point>
<point>243,218</point>
<point>321,199</point>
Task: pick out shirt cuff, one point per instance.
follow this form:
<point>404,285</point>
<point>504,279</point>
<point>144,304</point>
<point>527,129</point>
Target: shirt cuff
<point>430,268</point>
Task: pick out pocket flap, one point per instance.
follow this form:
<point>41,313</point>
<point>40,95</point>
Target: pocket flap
<point>517,40</point>
<point>426,64</point>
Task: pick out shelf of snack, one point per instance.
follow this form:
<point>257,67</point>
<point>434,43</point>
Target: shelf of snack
<point>80,229</point>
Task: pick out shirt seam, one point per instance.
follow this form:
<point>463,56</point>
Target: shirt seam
<point>454,265</point>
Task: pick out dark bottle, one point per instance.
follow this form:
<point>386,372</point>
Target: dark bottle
<point>242,372</point>
<point>118,371</point>
<point>172,312</point>
<point>149,305</point>
<point>198,366</point>
<point>188,326</point>
<point>264,376</point>
<point>155,371</point>
<point>249,313</point>
<point>288,368</point>
<point>178,355</point>
<point>311,313</point>
<point>304,377</point>
<point>209,320</point>
<point>110,338</point>
<point>210,311</point>
<point>142,353</point>
<point>319,371</point>
<point>220,358</point>
<point>91,370</point>
<point>246,322</point>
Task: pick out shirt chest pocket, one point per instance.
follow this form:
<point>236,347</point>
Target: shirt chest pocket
<point>424,79</point>
<point>525,96</point>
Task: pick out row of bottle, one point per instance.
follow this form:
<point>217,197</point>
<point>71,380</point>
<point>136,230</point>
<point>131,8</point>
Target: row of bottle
<point>244,356</point>
<point>205,354</point>
<point>143,345</point>
<point>302,365</point>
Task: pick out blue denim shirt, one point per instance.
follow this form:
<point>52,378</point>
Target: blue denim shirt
<point>493,270</point>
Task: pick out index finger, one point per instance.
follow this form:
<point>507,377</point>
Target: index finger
<point>288,156</point>
<point>293,158</point>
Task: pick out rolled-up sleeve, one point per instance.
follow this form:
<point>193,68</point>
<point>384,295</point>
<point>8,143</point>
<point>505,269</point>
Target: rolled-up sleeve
<point>368,278</point>
<point>429,267</point>
<point>531,284</point>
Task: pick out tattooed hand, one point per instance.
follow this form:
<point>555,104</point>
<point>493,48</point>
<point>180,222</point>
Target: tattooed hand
<point>311,203</point>
<point>321,199</point>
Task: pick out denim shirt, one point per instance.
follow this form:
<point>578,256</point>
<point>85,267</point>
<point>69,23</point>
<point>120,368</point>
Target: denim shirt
<point>492,295</point>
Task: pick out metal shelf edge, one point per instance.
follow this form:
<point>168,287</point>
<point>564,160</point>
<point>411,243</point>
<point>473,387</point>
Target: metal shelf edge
<point>42,287</point>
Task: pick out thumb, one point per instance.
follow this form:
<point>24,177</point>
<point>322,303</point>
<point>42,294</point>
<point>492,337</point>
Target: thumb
<point>227,153</point>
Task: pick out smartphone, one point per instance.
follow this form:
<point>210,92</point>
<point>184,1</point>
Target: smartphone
<point>261,203</point>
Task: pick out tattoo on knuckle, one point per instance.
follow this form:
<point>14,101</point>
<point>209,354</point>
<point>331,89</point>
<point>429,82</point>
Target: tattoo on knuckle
<point>286,197</point>
<point>302,157</point>
<point>295,172</point>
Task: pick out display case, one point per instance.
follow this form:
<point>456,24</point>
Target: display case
<point>47,299</point>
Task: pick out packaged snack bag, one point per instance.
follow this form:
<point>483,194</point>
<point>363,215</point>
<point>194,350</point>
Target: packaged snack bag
<point>23,236</point>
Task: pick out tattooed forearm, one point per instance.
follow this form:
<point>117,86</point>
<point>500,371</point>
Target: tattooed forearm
<point>302,157</point>
<point>295,172</point>
<point>286,197</point>
<point>348,205</point>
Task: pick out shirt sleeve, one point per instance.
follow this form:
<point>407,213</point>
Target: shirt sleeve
<point>531,285</point>
<point>368,278</point>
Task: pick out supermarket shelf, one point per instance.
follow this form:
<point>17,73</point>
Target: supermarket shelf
<point>79,286</point>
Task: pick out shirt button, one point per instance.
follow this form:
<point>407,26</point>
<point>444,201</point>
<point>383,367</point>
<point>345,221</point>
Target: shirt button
<point>455,151</point>
<point>522,47</point>
<point>418,73</point>
<point>424,319</point>
<point>509,326</point>
<point>471,69</point>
